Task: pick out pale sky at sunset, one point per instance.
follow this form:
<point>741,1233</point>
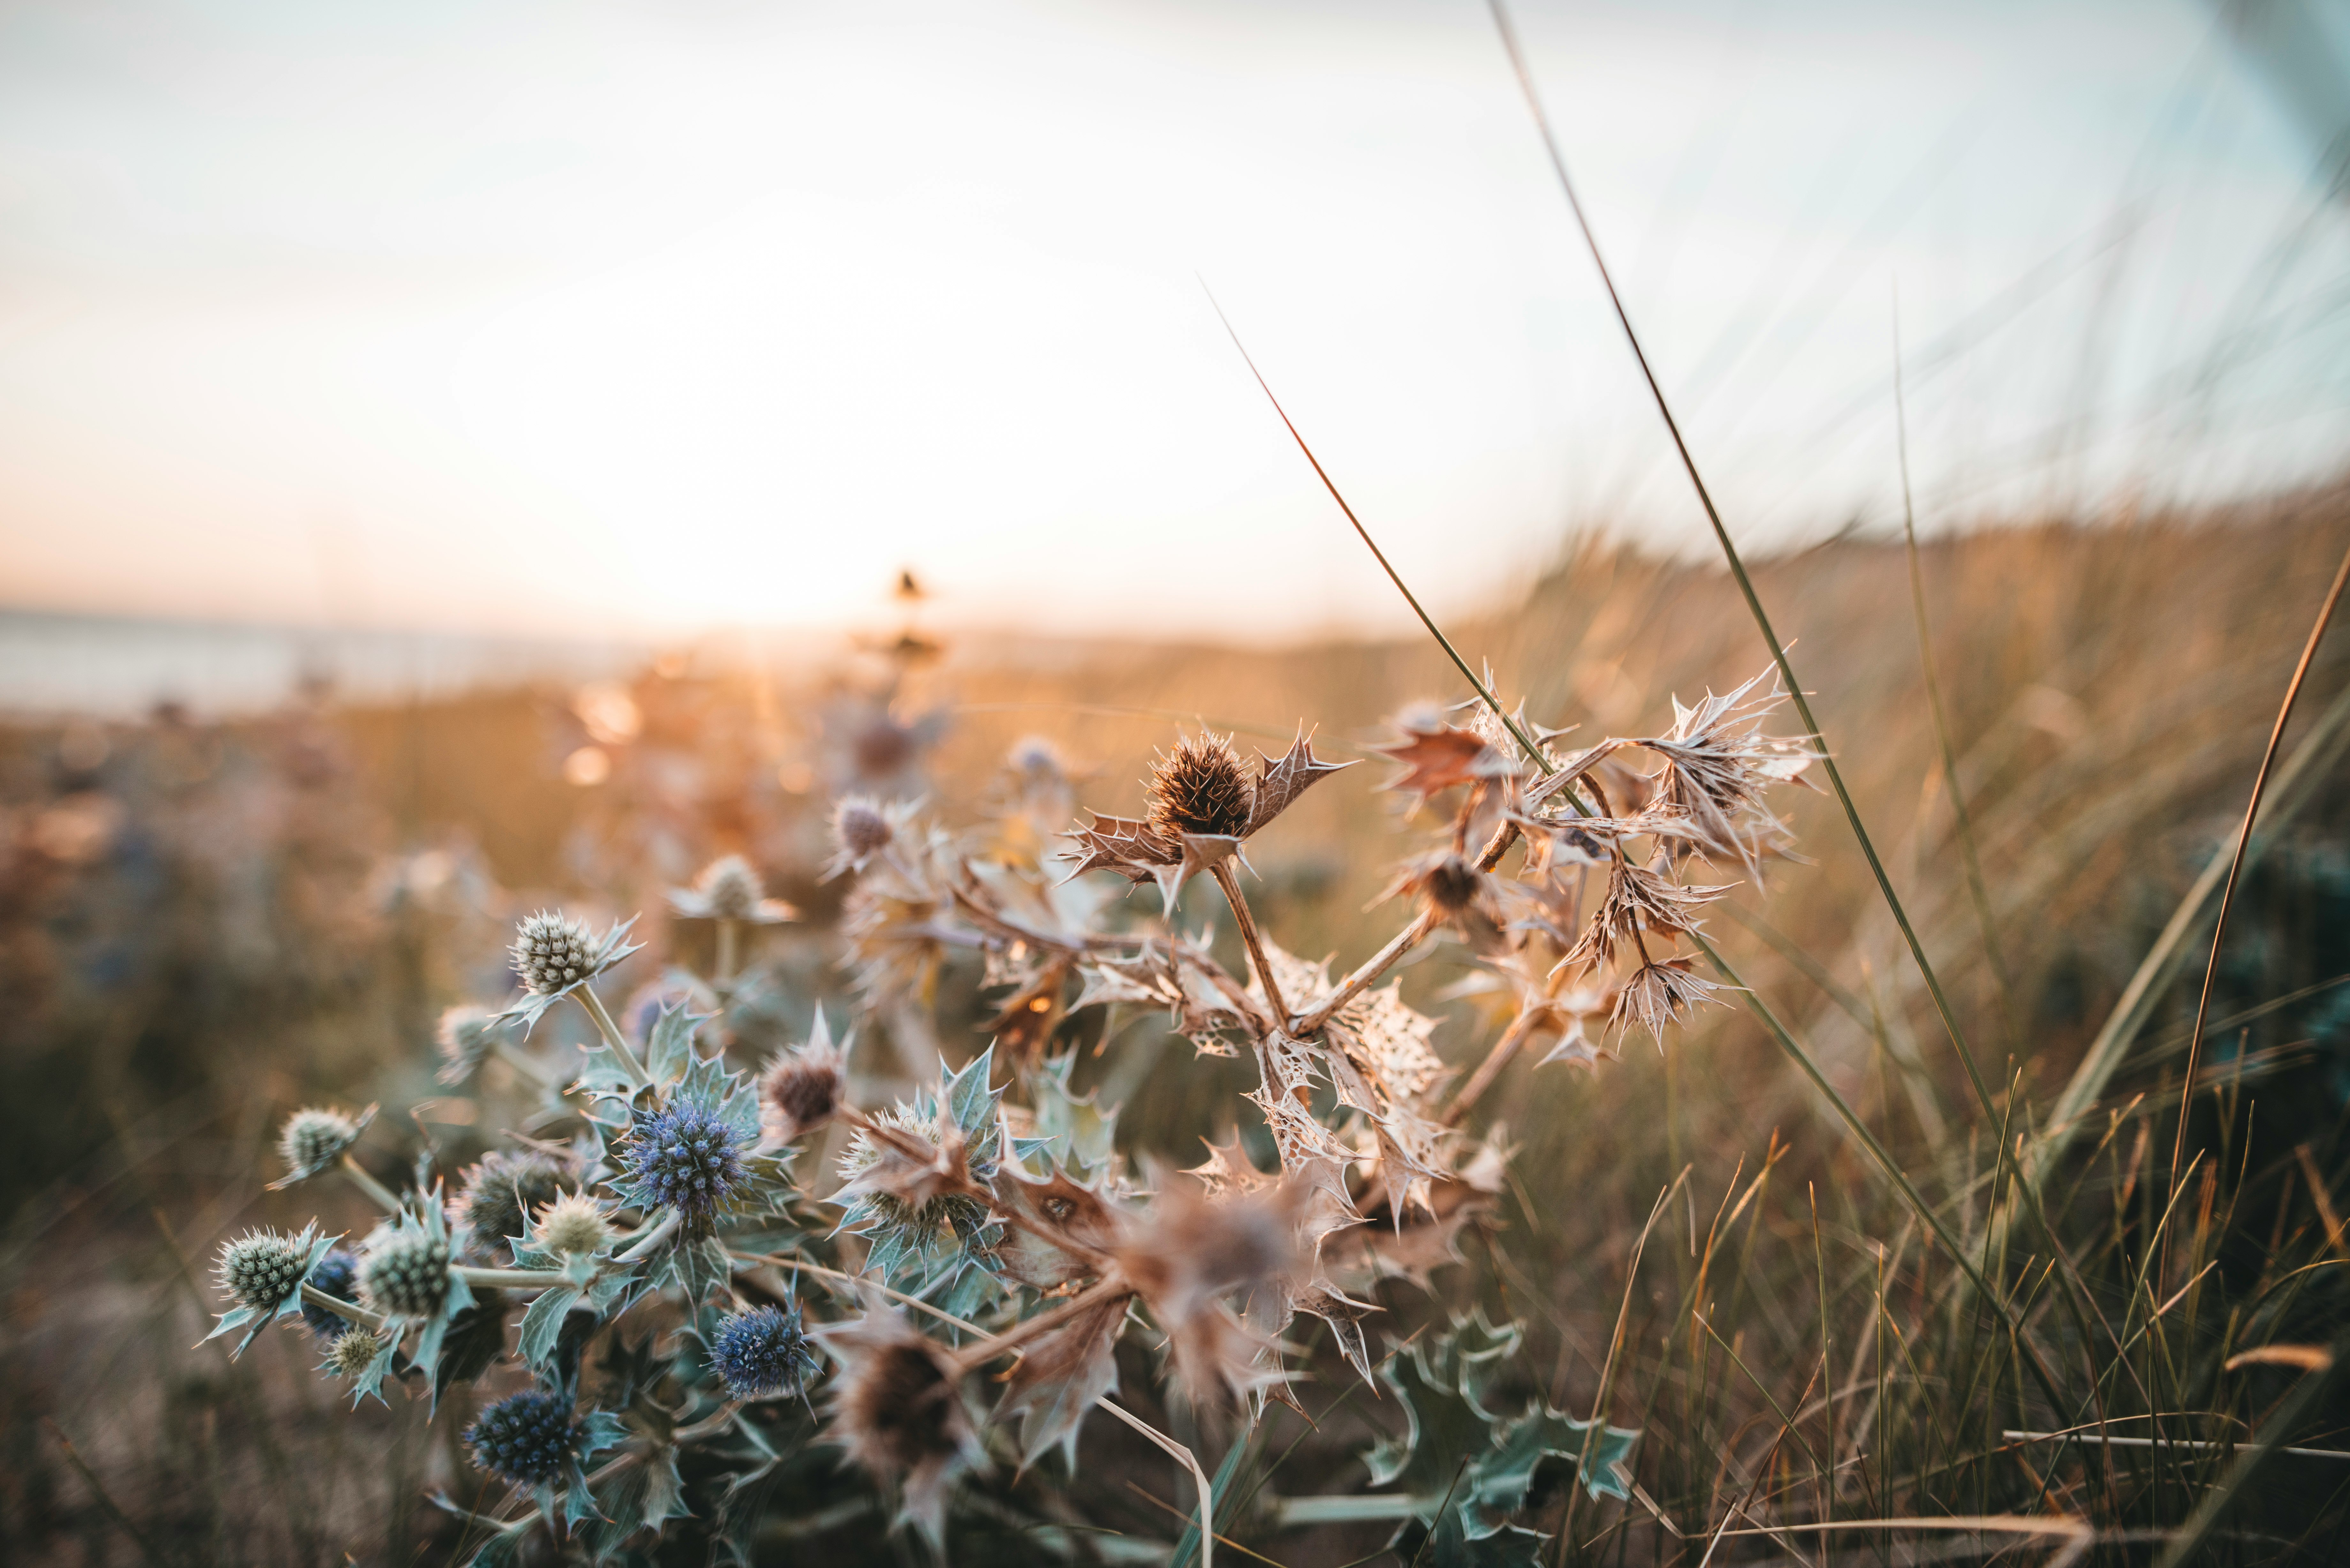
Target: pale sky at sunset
<point>587,316</point>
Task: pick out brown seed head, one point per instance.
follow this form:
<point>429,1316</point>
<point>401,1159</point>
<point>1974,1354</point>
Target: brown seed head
<point>861,828</point>
<point>732,888</point>
<point>1200,787</point>
<point>1452,884</point>
<point>800,1091</point>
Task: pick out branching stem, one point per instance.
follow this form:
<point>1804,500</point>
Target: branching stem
<point>1249,934</point>
<point>1112,1285</point>
<point>349,1312</point>
<point>382,1197</point>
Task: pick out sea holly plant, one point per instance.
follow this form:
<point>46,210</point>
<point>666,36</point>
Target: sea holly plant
<point>698,1284</point>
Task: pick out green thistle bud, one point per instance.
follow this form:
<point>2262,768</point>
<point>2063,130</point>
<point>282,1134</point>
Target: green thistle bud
<point>406,1274</point>
<point>573,1226</point>
<point>314,1139</point>
<point>552,951</point>
<point>262,1267</point>
<point>355,1351</point>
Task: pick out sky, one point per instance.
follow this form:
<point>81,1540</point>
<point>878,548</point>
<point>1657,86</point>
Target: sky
<point>589,318</point>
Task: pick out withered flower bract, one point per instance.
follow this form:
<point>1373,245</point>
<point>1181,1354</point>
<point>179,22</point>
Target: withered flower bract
<point>897,1410</point>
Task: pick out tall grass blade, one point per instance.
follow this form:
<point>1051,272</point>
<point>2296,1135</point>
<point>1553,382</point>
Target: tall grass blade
<point>1970,857</point>
<point>2243,839</point>
<point>1746,584</point>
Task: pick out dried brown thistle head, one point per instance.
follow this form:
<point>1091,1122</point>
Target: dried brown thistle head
<point>898,1410</point>
<point>801,1089</point>
<point>863,827</point>
<point>1200,787</point>
<point>1658,994</point>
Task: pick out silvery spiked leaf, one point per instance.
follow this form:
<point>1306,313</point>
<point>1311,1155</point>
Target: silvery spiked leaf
<point>1061,1374</point>
<point>1201,854</point>
<point>1082,1134</point>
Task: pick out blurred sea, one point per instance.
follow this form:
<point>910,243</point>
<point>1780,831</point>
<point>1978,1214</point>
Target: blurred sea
<point>117,667</point>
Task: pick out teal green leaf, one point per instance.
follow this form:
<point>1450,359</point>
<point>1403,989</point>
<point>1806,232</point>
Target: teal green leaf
<point>670,1051</point>
<point>542,1325</point>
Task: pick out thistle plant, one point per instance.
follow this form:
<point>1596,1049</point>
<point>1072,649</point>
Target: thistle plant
<point>726,1274</point>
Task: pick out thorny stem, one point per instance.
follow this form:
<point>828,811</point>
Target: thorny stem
<point>1377,964</point>
<point>1488,1070</point>
<point>612,1036</point>
<point>1402,943</point>
<point>1005,925</point>
<point>710,1425</point>
<point>786,1260</point>
<point>1247,923</point>
<point>378,1193</point>
<point>1110,1285</point>
<point>350,1312</point>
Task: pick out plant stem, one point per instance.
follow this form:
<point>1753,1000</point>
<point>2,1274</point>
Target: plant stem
<point>612,1036</point>
<point>718,1421</point>
<point>521,1279</point>
<point>1884,1162</point>
<point>730,949</point>
<point>378,1193</point>
<point>350,1312</point>
<point>1488,1070</point>
<point>650,1238</point>
<point>1019,1334</point>
<point>1401,943</point>
<point>786,1260</point>
<point>1247,923</point>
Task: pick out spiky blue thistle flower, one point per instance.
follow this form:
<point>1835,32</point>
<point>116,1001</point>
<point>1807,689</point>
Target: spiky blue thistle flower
<point>338,1275</point>
<point>688,1158</point>
<point>528,1437</point>
<point>762,1352</point>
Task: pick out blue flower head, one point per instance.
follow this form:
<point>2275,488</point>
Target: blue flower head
<point>762,1352</point>
<point>336,1274</point>
<point>527,1438</point>
<point>688,1158</point>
